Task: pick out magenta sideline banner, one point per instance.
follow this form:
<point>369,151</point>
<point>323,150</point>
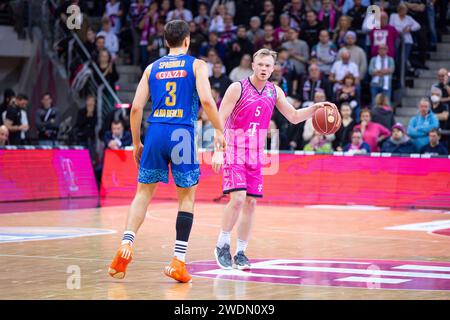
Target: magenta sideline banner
<point>46,174</point>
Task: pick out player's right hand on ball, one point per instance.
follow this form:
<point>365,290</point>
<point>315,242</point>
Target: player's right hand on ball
<point>137,153</point>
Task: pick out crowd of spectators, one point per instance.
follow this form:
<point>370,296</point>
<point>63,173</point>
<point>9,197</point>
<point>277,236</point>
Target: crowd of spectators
<point>326,51</point>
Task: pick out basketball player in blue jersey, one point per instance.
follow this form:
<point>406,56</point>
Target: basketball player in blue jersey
<point>177,83</point>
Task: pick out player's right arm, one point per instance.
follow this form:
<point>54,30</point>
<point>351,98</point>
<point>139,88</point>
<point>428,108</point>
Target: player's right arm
<point>227,105</point>
<point>137,110</point>
<point>209,105</point>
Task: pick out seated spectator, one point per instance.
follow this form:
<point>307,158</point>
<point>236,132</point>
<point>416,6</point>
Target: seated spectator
<point>328,16</point>
<point>278,79</point>
<point>341,30</point>
<point>420,125</point>
<point>99,46</point>
<point>373,133</point>
<point>268,41</point>
<point>213,43</point>
<point>111,40</point>
<point>114,12</point>
<point>164,10</point>
<point>197,39</point>
<point>346,93</point>
<point>344,132</point>
<point>341,68</point>
<point>90,42</point>
<point>179,13</point>
<point>386,35</point>
<point>399,142</point>
<point>357,55</point>
<point>9,97</point>
<point>310,29</point>
<point>217,22</point>
<point>325,52</point>
<point>211,59</point>
<point>440,109</point>
<point>219,79</point>
<point>4,134</point>
<point>381,69</point>
<point>434,147</point>
<point>144,20</point>
<point>255,32</point>
<point>203,19</point>
<point>238,48</point>
<point>13,121</point>
<point>268,15</point>
<point>47,121</point>
<point>357,12</point>
<point>308,130</point>
<point>121,114</point>
<point>156,47</point>
<point>296,11</point>
<point>443,84</point>
<point>230,6</point>
<point>382,112</point>
<point>314,82</point>
<point>107,68</point>
<point>298,52</point>
<point>357,144</point>
<point>280,32</point>
<point>86,123</point>
<point>244,70</point>
<point>22,104</point>
<point>228,34</point>
<point>404,24</point>
<point>318,143</point>
<point>117,138</point>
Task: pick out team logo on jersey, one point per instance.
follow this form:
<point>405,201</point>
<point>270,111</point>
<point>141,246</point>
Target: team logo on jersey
<point>172,74</point>
<point>349,273</point>
<point>269,93</point>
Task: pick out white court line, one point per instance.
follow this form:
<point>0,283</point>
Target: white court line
<point>423,226</point>
<point>372,280</point>
<point>221,272</point>
<point>357,271</point>
<point>421,267</point>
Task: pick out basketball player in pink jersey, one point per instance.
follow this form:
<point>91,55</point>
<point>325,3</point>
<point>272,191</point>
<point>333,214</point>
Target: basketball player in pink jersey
<point>246,110</point>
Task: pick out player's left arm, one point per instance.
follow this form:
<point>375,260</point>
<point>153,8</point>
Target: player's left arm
<point>293,115</point>
<point>137,110</point>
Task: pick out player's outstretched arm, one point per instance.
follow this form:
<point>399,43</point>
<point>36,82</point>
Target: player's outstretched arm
<point>297,115</point>
<point>137,110</point>
<point>206,99</point>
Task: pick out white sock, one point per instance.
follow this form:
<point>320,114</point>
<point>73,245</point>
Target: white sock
<point>241,245</point>
<point>128,237</point>
<point>224,238</point>
<point>180,250</point>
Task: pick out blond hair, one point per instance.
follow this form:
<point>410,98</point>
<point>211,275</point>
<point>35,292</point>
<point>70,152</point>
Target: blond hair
<point>265,52</point>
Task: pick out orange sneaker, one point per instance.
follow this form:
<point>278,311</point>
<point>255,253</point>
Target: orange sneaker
<point>177,270</point>
<point>119,265</point>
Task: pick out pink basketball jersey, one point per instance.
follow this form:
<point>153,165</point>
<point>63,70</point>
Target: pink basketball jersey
<point>248,124</point>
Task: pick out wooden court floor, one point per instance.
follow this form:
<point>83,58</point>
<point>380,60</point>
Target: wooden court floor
<point>315,252</point>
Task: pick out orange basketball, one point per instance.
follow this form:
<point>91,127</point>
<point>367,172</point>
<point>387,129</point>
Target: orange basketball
<point>326,120</point>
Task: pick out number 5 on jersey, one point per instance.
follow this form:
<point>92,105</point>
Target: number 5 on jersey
<point>171,88</point>
<point>258,111</point>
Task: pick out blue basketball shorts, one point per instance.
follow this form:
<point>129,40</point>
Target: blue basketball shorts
<point>166,144</point>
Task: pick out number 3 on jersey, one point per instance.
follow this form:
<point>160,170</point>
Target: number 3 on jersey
<point>171,87</point>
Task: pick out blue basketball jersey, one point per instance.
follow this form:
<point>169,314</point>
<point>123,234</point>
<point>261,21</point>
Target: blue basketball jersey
<point>173,91</point>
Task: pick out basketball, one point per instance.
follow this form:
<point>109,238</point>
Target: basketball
<point>326,120</point>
